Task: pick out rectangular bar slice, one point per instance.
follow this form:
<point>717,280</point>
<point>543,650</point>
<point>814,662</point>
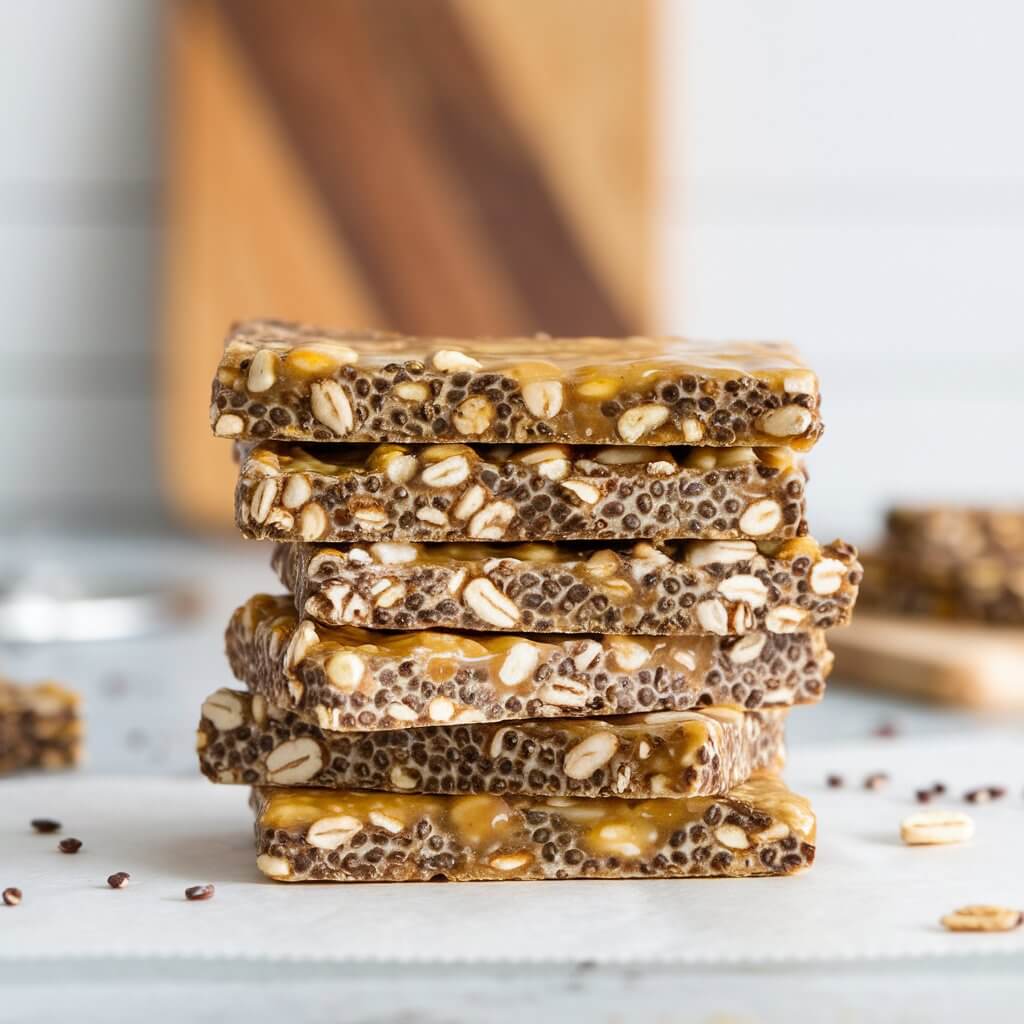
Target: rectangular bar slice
<point>40,727</point>
<point>299,383</point>
<point>348,679</point>
<point>720,587</point>
<point>243,739</point>
<point>758,828</point>
<point>978,589</point>
<point>948,535</point>
<point>501,492</point>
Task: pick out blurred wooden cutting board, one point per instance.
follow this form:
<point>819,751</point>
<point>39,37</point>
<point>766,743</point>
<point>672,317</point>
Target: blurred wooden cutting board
<point>432,166</point>
<point>971,666</point>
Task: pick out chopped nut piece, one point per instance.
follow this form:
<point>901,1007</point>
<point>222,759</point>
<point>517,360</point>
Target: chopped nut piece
<point>294,762</point>
<point>931,828</point>
<point>588,756</point>
<point>878,780</point>
<point>983,919</point>
<point>45,825</point>
<point>473,416</point>
<point>330,405</point>
<point>262,371</point>
<point>12,896</point>
<point>745,588</point>
<point>827,576</point>
<point>199,892</point>
<point>330,833</point>
<point>543,398</point>
<point>788,421</point>
<point>69,845</point>
<point>722,552</point>
<point>229,425</point>
<point>636,422</point>
<point>449,360</point>
<point>223,709</point>
<point>118,880</point>
<point>447,473</point>
<point>761,518</point>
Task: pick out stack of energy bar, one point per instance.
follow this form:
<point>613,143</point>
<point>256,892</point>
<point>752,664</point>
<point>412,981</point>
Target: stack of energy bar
<point>944,608</point>
<point>549,603</point>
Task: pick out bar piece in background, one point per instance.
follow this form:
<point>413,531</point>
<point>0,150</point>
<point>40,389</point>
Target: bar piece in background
<point>943,608</point>
<point>40,727</point>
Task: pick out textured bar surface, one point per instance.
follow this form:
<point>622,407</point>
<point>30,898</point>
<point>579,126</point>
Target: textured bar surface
<point>353,679</point>
<point>759,828</point>
<point>40,727</point>
<point>689,587</point>
<point>299,383</point>
<point>947,535</point>
<point>458,493</point>
<point>242,739</point>
<point>980,589</point>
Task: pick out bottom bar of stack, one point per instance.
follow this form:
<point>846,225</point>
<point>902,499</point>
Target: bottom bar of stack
<point>758,828</point>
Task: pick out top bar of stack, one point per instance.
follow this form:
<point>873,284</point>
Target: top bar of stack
<point>288,382</point>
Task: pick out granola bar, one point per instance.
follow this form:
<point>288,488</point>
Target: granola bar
<point>300,383</point>
<point>243,739</point>
<point>40,727</point>
<point>980,589</point>
<point>689,587</point>
<point>758,828</point>
<point>348,678</point>
<point>455,492</point>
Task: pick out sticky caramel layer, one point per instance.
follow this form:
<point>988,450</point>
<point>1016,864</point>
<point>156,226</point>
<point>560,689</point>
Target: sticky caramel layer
<point>293,382</point>
<point>690,587</point>
<point>759,828</point>
<point>40,727</point>
<point>514,493</point>
<point>243,739</point>
<point>353,679</point>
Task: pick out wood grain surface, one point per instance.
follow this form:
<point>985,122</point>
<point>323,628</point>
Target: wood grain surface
<point>432,166</point>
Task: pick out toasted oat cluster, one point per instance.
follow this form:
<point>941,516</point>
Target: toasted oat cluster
<point>722,588</point>
<point>758,828</point>
<point>40,727</point>
<point>353,679</point>
<point>454,492</point>
<point>299,383</point>
<point>243,739</point>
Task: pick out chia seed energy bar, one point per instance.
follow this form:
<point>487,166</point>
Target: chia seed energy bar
<point>295,382</point>
<point>453,492</point>
<point>353,679</point>
<point>941,536</point>
<point>40,727</point>
<point>689,587</point>
<point>758,828</point>
<point>980,589</point>
<point>243,739</point>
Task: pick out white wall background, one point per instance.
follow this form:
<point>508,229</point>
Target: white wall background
<point>78,170</point>
<point>850,176</point>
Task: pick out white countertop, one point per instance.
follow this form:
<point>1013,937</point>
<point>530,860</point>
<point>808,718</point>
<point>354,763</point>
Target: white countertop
<point>142,701</point>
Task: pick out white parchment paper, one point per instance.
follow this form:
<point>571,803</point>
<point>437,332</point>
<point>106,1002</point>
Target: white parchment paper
<point>868,897</point>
